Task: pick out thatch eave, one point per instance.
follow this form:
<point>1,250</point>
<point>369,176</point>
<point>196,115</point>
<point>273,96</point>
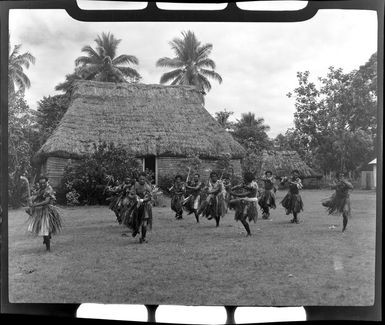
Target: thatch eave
<point>147,120</point>
<point>281,163</point>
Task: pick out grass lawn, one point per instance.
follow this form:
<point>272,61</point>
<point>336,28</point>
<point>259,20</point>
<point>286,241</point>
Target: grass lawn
<point>198,264</point>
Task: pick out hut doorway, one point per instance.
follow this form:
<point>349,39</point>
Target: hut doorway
<point>150,163</point>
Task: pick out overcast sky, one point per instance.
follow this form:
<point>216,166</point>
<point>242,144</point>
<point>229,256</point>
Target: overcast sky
<point>257,61</point>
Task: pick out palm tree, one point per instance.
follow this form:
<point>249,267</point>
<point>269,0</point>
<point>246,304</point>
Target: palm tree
<point>16,64</point>
<point>249,120</point>
<point>102,64</point>
<point>191,64</point>
<point>251,132</point>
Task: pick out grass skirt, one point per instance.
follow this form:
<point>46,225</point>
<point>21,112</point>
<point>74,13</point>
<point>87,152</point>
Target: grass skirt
<point>292,203</point>
<point>244,210</point>
<point>267,199</point>
<point>135,217</point>
<point>192,203</point>
<point>337,204</point>
<point>213,206</point>
<point>116,206</point>
<point>177,204</point>
<point>44,220</point>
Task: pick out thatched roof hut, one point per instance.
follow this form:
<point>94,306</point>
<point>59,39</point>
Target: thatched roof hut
<point>147,120</point>
<point>281,163</point>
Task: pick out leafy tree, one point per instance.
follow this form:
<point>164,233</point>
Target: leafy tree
<point>336,120</point>
<point>222,118</point>
<point>16,64</point>
<point>49,113</point>
<point>191,64</point>
<point>251,132</point>
<point>103,64</point>
<point>21,146</point>
<point>293,140</point>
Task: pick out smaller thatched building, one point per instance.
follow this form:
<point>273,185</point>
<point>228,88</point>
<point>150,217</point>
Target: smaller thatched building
<point>281,163</point>
<point>161,125</point>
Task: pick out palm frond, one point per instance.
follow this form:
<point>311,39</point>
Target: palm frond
<point>125,59</point>
<point>168,62</point>
<point>129,72</point>
<point>83,60</point>
<point>108,43</point>
<point>204,83</point>
<point>91,53</point>
<point>15,51</point>
<point>212,74</point>
<point>21,80</point>
<point>177,80</point>
<point>206,63</point>
<point>166,77</point>
<point>204,51</point>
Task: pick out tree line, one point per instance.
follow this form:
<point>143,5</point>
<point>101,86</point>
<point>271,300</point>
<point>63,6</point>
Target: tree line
<point>335,125</point>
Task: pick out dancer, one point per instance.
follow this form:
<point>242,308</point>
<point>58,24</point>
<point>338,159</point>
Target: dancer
<point>45,219</point>
<point>142,220</point>
<point>292,202</point>
<point>191,203</point>
<point>178,191</point>
<point>267,199</point>
<point>245,202</point>
<point>339,202</point>
<point>118,194</point>
<point>214,205</point>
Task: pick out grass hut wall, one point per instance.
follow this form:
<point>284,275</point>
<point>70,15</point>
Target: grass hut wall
<point>161,125</point>
<point>281,163</point>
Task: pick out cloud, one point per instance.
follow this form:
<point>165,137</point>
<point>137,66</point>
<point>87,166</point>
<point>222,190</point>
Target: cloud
<point>257,61</point>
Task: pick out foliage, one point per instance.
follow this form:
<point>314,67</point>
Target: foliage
<point>72,197</point>
<point>191,64</point>
<point>225,168</point>
<point>49,113</point>
<point>252,163</point>
<point>90,176</point>
<point>16,64</point>
<point>222,118</point>
<point>251,133</point>
<point>67,85</point>
<point>335,121</point>
<point>103,64</point>
<point>165,182</point>
<point>21,145</point>
<point>293,140</point>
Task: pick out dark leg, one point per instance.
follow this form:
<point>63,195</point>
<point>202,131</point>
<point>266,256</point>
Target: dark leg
<point>345,221</point>
<point>144,231</point>
<point>295,217</point>
<point>196,215</point>
<point>47,242</point>
<point>266,213</point>
<point>247,227</point>
<point>217,218</point>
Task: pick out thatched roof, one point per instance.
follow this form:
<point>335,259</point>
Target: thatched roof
<point>146,119</point>
<point>281,163</point>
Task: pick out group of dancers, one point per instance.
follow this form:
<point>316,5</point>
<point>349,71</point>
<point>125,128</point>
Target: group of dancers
<point>131,201</point>
<point>214,199</point>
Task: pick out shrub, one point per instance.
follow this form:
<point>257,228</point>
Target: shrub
<point>165,182</point>
<point>90,176</point>
<point>252,163</point>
